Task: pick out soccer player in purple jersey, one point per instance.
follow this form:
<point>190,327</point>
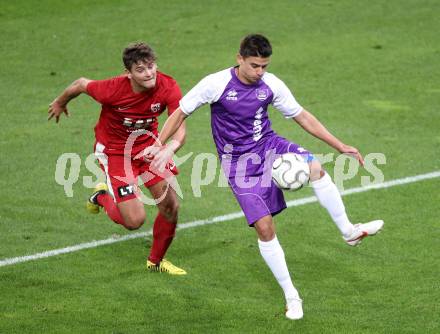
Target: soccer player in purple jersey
<point>247,145</point>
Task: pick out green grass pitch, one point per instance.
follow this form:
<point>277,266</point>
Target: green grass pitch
<point>370,71</point>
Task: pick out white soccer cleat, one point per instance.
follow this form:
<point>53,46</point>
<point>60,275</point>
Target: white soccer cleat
<point>363,230</point>
<point>294,309</point>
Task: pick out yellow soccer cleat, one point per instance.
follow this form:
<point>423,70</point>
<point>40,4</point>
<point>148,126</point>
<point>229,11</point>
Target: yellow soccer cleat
<point>92,205</point>
<point>165,266</point>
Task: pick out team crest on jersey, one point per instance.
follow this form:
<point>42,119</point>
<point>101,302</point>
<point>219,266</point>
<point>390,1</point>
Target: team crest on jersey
<point>262,94</point>
<point>155,107</point>
<point>232,95</point>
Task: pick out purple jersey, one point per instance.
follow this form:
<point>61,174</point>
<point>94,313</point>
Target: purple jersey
<point>245,141</point>
<point>239,111</point>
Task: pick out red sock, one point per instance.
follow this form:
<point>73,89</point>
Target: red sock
<point>110,207</point>
<point>163,234</point>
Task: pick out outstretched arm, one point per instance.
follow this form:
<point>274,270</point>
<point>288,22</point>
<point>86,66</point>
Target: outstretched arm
<point>166,152</point>
<point>59,105</point>
<point>174,126</point>
<point>178,138</point>
<point>313,126</point>
<point>171,125</point>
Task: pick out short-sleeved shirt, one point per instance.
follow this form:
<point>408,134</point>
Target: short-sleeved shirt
<point>239,114</point>
<point>126,114</point>
<point>241,129</point>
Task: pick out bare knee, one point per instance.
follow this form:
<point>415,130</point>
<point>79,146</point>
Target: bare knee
<point>266,234</point>
<point>316,171</point>
<point>133,213</point>
<point>169,210</point>
<point>265,228</point>
<point>134,220</point>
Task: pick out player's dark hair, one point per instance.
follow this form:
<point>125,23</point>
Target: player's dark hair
<point>255,45</point>
<point>136,52</point>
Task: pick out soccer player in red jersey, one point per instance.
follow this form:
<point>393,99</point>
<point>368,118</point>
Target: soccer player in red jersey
<point>128,124</point>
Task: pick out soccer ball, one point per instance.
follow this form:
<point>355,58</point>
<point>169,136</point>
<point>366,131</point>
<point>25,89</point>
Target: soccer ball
<point>290,172</point>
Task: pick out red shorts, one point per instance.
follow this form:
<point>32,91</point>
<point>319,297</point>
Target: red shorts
<point>122,173</point>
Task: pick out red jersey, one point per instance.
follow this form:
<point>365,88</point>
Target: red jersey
<point>125,112</point>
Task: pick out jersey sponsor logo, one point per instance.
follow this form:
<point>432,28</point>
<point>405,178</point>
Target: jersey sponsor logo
<point>155,107</point>
<point>262,94</point>
<point>126,190</point>
<point>257,124</point>
<point>232,95</point>
<point>138,124</point>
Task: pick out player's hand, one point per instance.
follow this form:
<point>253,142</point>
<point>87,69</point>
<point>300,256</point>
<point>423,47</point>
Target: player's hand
<point>149,152</point>
<point>352,151</point>
<point>55,110</point>
<point>162,157</point>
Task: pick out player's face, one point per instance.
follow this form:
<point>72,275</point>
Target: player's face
<point>251,69</point>
<point>143,75</point>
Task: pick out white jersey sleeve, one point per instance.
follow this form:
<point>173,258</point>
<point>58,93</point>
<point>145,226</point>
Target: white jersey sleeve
<point>283,100</point>
<point>208,90</point>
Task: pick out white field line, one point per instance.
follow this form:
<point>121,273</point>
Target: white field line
<point>231,216</point>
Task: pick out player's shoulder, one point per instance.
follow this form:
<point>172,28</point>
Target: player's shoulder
<point>118,79</point>
<point>220,76</point>
<point>105,88</point>
<point>165,79</point>
<point>271,79</point>
<point>115,81</point>
<point>215,82</point>
<point>275,84</point>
